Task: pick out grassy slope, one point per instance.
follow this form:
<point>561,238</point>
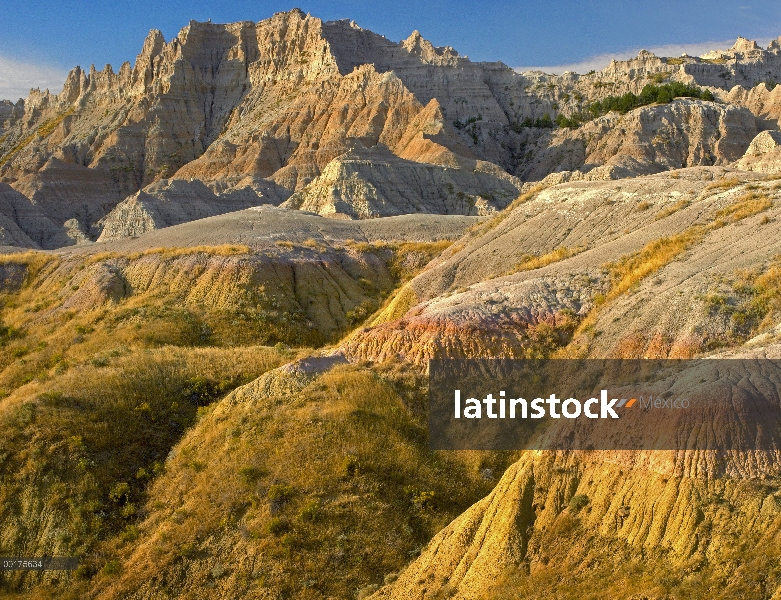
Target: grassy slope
<point>317,492</point>
<point>94,398</point>
<point>311,493</point>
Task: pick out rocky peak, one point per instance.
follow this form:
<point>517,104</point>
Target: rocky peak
<point>153,45</point>
<point>417,45</point>
<point>645,55</point>
<point>75,85</point>
<point>744,45</point>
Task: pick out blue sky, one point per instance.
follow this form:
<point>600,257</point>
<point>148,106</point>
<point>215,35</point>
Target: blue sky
<point>42,40</point>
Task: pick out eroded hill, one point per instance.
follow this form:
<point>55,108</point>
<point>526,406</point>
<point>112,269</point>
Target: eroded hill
<point>256,112</point>
<point>226,396</point>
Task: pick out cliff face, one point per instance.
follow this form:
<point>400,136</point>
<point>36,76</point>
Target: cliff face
<point>220,102</point>
<point>651,139</point>
<point>282,98</point>
<point>171,202</point>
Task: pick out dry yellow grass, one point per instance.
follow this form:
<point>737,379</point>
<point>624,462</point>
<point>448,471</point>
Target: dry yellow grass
<point>43,130</point>
<point>411,257</point>
<point>723,184</point>
<point>221,250</point>
<point>667,211</point>
<point>397,306</point>
<point>634,268</point>
<point>286,490</point>
<point>75,437</point>
<point>33,258</point>
<point>631,270</point>
<point>32,261</point>
<point>745,206</point>
<point>743,568</point>
<point>530,262</point>
<point>491,223</point>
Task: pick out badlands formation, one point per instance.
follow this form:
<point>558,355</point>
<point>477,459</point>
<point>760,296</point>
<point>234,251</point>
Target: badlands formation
<point>227,266</point>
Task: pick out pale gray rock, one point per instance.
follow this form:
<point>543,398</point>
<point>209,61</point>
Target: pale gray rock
<point>647,140</point>
<point>763,154</point>
<point>64,191</point>
<point>24,224</point>
<point>173,201</point>
<point>370,183</point>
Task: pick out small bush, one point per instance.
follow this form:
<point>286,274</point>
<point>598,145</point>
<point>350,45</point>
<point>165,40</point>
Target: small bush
<point>187,550</point>
<point>421,500</point>
<point>366,591</point>
<point>311,511</point>
<point>112,567</point>
<point>578,502</point>
<point>350,465</point>
<point>130,534</point>
<point>119,493</point>
<point>201,391</point>
<point>279,492</point>
<point>250,475</point>
<point>278,526</point>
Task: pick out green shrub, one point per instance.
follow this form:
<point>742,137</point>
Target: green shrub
<point>112,567</point>
<point>201,391</point>
<point>250,475</point>
<point>650,94</point>
<point>130,534</point>
<point>119,493</point>
<point>278,526</point>
<point>311,511</point>
<point>421,500</point>
<point>279,492</point>
<point>544,122</point>
<point>578,502</point>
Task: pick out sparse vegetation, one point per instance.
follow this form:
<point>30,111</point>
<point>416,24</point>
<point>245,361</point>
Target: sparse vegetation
<point>529,262</point>
<point>543,122</point>
<point>752,305</point>
<point>103,433</point>
<point>745,568</point>
<point>650,94</point>
<point>628,272</point>
<point>724,184</point>
<point>642,206</point>
<point>578,502</point>
<point>183,419</point>
<point>341,479</point>
<point>672,209</point>
<point>43,130</point>
<point>747,205</point>
<point>486,226</point>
